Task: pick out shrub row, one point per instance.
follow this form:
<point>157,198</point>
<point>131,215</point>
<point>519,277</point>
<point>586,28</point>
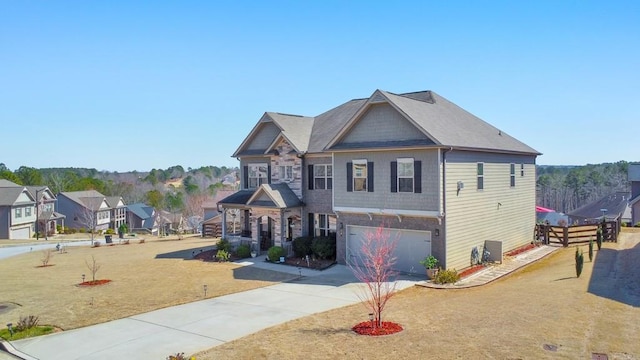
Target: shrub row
<point>323,247</point>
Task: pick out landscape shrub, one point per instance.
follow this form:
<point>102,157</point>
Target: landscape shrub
<point>446,277</point>
<point>591,249</point>
<point>623,224</point>
<point>579,262</point>
<point>222,255</point>
<point>302,246</point>
<point>324,247</point>
<point>275,252</point>
<point>110,231</point>
<point>82,230</point>
<point>180,356</point>
<point>26,323</point>
<point>637,224</point>
<point>243,251</point>
<point>224,244</point>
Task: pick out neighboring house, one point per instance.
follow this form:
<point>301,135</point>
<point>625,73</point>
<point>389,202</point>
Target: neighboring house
<point>118,211</point>
<point>551,217</point>
<point>48,218</point>
<point>634,203</point>
<point>441,180</point>
<point>17,211</point>
<point>210,207</point>
<point>85,209</point>
<point>170,222</point>
<point>142,217</point>
<point>612,207</point>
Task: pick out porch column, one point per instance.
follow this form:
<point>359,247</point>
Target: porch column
<point>224,223</point>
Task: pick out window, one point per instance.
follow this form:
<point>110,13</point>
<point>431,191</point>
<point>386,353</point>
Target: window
<point>18,213</point>
<point>405,175</point>
<point>521,169</point>
<point>257,175</point>
<point>325,225</point>
<point>286,172</point>
<point>512,175</point>
<point>480,175</point>
<point>322,176</point>
<point>27,212</point>
<point>359,175</point>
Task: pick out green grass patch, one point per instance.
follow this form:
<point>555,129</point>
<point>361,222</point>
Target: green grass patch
<point>34,331</point>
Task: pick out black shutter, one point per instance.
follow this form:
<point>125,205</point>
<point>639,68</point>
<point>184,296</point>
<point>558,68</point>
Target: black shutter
<point>268,174</point>
<point>370,176</point>
<point>417,176</point>
<point>310,167</point>
<point>245,176</point>
<point>349,176</point>
<point>394,176</point>
<point>310,225</point>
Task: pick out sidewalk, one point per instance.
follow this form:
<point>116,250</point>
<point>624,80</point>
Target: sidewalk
<point>201,325</point>
<point>495,272</point>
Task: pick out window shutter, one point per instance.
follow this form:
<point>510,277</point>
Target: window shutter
<point>310,167</point>
<point>349,176</point>
<point>394,176</point>
<point>245,176</point>
<point>310,225</point>
<point>417,176</point>
<point>370,176</point>
<point>268,174</point>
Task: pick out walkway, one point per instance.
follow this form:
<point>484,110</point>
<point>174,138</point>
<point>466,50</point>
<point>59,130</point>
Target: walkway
<point>495,272</point>
<point>200,325</point>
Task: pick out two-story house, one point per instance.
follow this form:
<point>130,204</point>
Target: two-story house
<point>48,218</point>
<point>85,209</point>
<point>439,179</point>
<point>17,211</point>
<point>118,211</point>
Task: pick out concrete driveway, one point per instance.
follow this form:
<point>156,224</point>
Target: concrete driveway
<point>200,325</point>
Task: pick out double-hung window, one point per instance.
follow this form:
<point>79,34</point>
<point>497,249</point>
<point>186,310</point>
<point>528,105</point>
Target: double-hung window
<point>286,173</point>
<point>323,177</point>
<point>359,175</point>
<point>257,175</point>
<point>512,175</point>
<point>325,225</point>
<point>27,211</point>
<point>18,213</point>
<point>405,175</point>
<point>480,176</point>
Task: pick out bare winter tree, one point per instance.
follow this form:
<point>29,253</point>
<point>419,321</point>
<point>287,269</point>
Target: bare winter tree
<point>374,268</point>
<point>93,267</point>
<point>88,217</point>
<point>46,257</point>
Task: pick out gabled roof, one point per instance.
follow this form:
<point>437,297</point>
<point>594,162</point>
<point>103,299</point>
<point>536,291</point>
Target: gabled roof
<point>328,124</point>
<point>615,205</point>
<point>113,201</point>
<point>274,195</point>
<point>238,198</point>
<point>90,199</point>
<point>143,211</point>
<point>9,195</point>
<point>41,191</point>
<point>445,123</point>
<point>296,129</point>
<point>6,183</point>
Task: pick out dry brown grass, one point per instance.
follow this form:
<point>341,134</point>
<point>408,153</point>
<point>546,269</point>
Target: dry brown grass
<point>140,281</point>
<point>513,318</point>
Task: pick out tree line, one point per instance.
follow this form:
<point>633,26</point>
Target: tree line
<point>566,188</point>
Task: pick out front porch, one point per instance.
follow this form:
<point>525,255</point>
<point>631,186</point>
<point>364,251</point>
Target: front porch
<point>268,216</point>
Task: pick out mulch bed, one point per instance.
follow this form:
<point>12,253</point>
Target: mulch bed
<point>520,250</point>
<point>95,282</point>
<point>471,270</point>
<point>315,264</point>
<point>210,256</point>
<point>387,328</point>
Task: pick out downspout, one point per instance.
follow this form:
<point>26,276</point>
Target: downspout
<point>444,199</point>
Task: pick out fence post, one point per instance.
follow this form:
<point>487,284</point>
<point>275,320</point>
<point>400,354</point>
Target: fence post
<point>546,228</point>
<point>565,233</point>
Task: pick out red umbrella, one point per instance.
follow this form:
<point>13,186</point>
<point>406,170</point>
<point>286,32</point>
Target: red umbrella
<point>543,209</point>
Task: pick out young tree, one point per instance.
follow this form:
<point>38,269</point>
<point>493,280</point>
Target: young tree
<point>93,266</point>
<point>374,268</point>
<point>88,218</point>
<point>46,257</point>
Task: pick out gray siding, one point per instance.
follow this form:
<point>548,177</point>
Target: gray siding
<point>4,222</point>
<point>498,212</point>
<point>635,213</point>
<point>382,123</point>
<point>264,137</point>
<point>409,223</point>
<point>382,197</point>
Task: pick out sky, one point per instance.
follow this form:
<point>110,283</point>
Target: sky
<point>135,85</point>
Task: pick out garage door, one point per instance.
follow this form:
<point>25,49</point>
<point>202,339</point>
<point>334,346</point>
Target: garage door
<point>412,246</point>
<point>21,233</point>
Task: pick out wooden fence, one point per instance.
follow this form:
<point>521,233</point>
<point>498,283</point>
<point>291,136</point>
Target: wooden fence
<point>212,230</point>
<point>577,234</point>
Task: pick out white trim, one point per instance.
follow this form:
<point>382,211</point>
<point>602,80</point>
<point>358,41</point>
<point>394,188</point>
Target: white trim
<point>394,212</point>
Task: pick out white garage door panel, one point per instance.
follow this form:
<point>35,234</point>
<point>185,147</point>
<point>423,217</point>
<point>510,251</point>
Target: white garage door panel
<point>22,233</point>
<point>412,246</point>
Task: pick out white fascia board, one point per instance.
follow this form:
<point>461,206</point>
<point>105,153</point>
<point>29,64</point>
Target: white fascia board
<point>394,212</point>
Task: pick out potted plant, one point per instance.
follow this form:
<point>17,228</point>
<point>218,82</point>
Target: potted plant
<point>431,264</point>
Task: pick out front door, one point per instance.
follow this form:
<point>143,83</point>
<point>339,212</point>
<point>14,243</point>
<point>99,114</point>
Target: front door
<point>264,230</point>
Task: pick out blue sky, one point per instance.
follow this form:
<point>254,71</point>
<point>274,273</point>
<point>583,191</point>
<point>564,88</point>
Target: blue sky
<point>123,85</point>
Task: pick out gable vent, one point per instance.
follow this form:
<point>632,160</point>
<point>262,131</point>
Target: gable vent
<point>377,98</point>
